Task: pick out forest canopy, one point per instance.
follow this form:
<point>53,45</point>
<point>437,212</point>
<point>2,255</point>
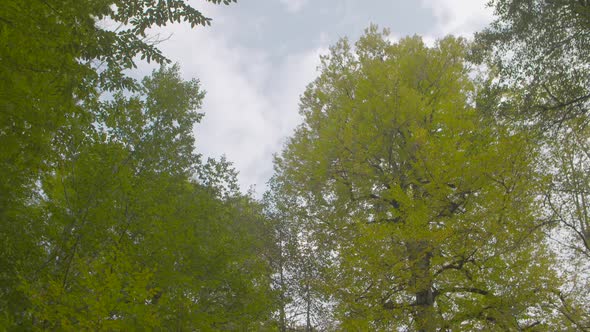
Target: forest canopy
<point>438,187</point>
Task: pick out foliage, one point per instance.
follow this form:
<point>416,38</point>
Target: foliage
<point>539,47</point>
<point>103,224</point>
<point>537,52</point>
<point>56,60</point>
<point>426,208</point>
<point>413,197</point>
<point>116,234</point>
<point>129,242</point>
<point>296,265</point>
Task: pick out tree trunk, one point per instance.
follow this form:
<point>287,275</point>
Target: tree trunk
<point>282,314</point>
<point>421,283</point>
<point>283,286</point>
<point>308,326</point>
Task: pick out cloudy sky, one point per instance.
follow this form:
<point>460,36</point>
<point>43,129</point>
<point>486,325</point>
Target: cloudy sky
<point>258,56</point>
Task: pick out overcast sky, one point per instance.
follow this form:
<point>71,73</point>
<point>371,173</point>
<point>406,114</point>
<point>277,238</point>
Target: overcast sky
<point>258,56</point>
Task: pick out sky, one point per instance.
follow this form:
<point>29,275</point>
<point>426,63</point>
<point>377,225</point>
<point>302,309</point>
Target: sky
<point>257,57</point>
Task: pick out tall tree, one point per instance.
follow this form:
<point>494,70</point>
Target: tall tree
<point>537,52</point>
<point>426,208</point>
<point>566,198</point>
<point>129,240</point>
<point>56,58</point>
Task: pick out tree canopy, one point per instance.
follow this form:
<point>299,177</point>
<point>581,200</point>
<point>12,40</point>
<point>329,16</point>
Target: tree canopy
<point>539,47</point>
<point>417,195</point>
<point>109,218</point>
<point>424,206</point>
<point>536,54</point>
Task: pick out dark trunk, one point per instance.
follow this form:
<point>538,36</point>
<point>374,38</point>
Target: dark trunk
<point>420,256</point>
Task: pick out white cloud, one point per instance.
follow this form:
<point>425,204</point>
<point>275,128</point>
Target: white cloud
<point>251,104</point>
<point>458,17</point>
<point>294,6</point>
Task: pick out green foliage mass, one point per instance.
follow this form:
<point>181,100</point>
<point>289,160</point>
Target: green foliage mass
<point>109,219</point>
<point>539,49</point>
<point>412,197</point>
<point>537,55</point>
<point>126,240</point>
<point>424,206</point>
<point>131,242</point>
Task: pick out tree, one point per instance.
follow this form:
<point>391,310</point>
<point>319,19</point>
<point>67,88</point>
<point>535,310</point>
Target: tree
<point>57,58</point>
<point>296,265</point>
<point>567,162</point>
<point>130,240</point>
<point>426,207</point>
<point>539,47</point>
<point>536,50</point>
